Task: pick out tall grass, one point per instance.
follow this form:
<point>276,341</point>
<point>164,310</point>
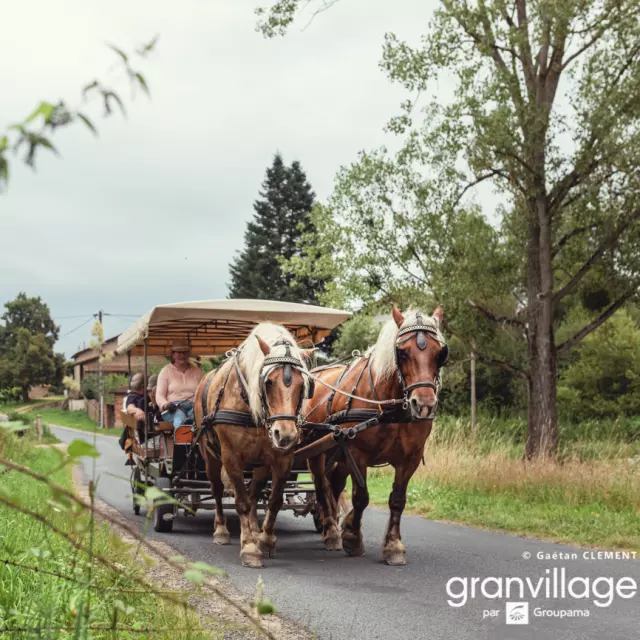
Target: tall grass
<point>589,494</point>
<point>57,591</point>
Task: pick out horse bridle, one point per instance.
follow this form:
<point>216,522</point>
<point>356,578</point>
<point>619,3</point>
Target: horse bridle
<point>289,363</point>
<point>421,329</point>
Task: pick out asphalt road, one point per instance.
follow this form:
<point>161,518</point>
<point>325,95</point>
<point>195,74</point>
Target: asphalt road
<point>360,598</point>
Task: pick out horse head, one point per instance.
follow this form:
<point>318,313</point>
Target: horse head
<point>282,390</point>
<point>420,352</point>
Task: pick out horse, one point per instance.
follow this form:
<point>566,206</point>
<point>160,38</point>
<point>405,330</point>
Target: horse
<point>400,375</point>
<point>247,411</point>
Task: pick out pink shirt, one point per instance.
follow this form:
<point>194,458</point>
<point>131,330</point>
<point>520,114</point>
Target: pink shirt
<point>175,386</point>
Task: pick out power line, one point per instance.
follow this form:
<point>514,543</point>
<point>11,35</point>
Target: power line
<point>76,328</point>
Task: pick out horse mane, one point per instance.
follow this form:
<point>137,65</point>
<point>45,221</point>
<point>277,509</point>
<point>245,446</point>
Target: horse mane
<point>383,359</point>
<point>251,360</point>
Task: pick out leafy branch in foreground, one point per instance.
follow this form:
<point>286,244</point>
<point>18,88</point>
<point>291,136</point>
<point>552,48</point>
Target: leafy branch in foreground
<point>34,133</point>
<point>69,502</point>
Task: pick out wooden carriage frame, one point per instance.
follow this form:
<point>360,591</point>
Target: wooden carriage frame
<point>210,327</point>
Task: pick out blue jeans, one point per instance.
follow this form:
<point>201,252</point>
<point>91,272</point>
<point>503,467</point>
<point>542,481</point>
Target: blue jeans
<point>183,411</point>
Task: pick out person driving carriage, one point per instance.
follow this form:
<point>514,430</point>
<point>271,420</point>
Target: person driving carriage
<point>177,384</point>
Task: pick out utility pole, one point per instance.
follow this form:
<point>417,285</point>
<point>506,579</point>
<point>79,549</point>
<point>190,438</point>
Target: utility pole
<point>474,423</point>
<point>101,373</point>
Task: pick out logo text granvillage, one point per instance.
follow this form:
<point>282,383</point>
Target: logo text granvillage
<point>556,584</point>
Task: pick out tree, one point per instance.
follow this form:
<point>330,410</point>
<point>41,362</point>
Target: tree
<point>545,110</point>
<point>28,360</point>
<point>31,314</point>
<point>34,133</point>
<point>281,216</point>
<point>26,345</point>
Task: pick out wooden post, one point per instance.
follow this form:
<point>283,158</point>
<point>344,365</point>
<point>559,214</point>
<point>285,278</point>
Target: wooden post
<point>474,423</point>
<point>39,427</point>
<point>101,375</point>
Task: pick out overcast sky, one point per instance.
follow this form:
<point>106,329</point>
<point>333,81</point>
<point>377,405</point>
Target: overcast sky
<point>154,209</point>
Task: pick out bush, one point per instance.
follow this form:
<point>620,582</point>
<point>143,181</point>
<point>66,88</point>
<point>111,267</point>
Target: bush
<point>25,418</point>
<point>91,387</point>
<point>10,394</point>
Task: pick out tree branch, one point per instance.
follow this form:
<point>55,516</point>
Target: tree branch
<point>567,236</point>
<point>486,359</point>
<point>495,318</point>
<point>605,246</point>
<point>592,326</point>
<point>477,181</point>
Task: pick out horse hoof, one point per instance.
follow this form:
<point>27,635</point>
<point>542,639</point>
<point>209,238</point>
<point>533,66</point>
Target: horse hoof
<point>221,538</point>
<point>352,544</point>
<point>394,554</point>
<point>251,557</point>
<point>333,543</point>
<point>395,558</point>
<point>267,545</point>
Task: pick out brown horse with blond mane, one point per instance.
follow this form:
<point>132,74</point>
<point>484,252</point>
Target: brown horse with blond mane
<point>388,398</point>
<point>248,410</point>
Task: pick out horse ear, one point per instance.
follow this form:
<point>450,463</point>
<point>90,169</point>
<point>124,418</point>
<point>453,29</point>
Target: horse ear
<point>397,316</point>
<point>438,314</point>
<point>264,347</point>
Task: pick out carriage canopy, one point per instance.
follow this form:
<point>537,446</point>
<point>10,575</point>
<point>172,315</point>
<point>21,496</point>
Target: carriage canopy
<point>212,327</point>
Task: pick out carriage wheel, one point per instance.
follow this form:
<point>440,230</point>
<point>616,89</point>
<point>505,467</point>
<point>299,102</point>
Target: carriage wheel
<point>136,489</point>
<point>161,523</point>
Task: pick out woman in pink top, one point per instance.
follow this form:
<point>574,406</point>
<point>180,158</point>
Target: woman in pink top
<point>177,384</point>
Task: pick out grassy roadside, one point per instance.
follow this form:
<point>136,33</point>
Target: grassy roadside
<point>46,604</point>
<point>73,420</point>
<point>591,497</point>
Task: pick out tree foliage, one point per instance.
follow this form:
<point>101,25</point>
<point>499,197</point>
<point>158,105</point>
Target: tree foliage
<point>35,132</point>
<point>545,112</point>
<point>604,379</point>
<point>26,346</point>
<point>281,216</point>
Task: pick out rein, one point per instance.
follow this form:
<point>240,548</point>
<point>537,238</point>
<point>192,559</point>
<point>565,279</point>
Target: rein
<point>419,328</point>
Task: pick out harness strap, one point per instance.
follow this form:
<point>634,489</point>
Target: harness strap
<point>242,383</point>
<point>355,386</point>
<point>334,389</point>
<point>229,416</point>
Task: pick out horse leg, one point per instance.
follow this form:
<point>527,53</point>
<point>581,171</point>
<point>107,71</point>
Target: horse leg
<point>267,539</point>
<point>220,531</point>
<point>214,473</point>
<point>338,481</point>
<point>259,480</point>
<point>249,553</point>
<point>394,550</point>
<point>352,525</point>
<point>328,509</point>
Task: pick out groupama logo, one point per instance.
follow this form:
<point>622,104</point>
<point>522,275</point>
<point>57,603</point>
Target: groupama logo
<point>517,613</point>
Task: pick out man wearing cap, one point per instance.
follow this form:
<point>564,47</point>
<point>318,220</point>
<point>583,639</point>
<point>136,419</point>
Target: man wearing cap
<point>177,384</point>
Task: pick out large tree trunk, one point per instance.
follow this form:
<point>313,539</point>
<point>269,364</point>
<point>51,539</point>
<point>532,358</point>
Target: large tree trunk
<point>25,393</point>
<point>542,437</point>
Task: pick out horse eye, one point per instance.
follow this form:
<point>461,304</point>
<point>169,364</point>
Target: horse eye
<point>402,355</point>
<point>269,383</point>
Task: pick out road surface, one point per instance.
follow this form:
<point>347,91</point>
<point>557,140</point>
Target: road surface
<point>346,598</point>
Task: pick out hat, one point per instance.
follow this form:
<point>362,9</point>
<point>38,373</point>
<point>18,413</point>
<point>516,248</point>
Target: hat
<point>180,345</point>
<point>152,382</point>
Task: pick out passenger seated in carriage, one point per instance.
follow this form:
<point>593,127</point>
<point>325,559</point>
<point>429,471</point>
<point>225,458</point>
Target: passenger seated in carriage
<point>177,384</point>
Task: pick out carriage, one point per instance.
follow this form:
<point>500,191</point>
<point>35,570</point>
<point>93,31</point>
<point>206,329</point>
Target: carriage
<point>169,458</point>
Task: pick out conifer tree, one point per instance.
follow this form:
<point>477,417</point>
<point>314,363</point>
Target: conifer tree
<point>281,217</point>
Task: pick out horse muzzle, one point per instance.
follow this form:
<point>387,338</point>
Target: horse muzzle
<point>423,408</point>
<point>283,433</point>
